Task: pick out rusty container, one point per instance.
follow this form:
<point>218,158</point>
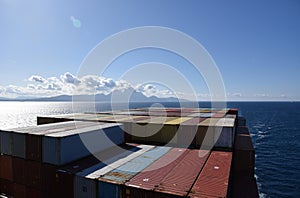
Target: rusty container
<point>109,184</point>
<point>143,184</point>
<point>179,181</point>
<point>213,180</point>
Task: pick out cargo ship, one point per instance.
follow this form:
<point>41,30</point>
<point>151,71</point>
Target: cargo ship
<point>145,152</point>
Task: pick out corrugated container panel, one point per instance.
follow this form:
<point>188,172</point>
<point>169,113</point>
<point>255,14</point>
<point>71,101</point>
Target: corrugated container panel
<point>34,193</point>
<point>214,178</point>
<point>85,185</point>
<point>65,147</point>
<point>219,132</point>
<point>48,178</point>
<point>6,142</point>
<point>152,176</point>
<point>6,187</point>
<point>33,174</point>
<point>65,176</point>
<point>125,172</point>
<point>244,155</point>
<point>18,144</point>
<point>19,190</point>
<point>19,170</point>
<point>187,132</point>
<point>6,168</point>
<point>35,134</point>
<point>118,161</point>
<point>180,180</point>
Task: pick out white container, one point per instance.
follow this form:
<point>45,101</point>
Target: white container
<point>64,147</point>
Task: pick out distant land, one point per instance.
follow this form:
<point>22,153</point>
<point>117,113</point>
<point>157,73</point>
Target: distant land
<point>118,96</point>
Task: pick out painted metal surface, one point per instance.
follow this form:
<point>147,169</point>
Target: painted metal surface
<point>147,180</point>
<point>6,168</point>
<point>64,147</point>
<point>180,180</point>
<point>5,142</point>
<point>218,132</point>
<point>85,185</point>
<point>6,187</point>
<point>19,170</point>
<point>33,174</point>
<point>214,178</point>
<point>19,190</point>
<point>244,155</point>
<point>120,175</point>
<point>117,161</point>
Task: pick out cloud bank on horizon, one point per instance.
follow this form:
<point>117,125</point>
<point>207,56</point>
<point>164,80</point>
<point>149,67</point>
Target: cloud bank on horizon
<point>69,84</point>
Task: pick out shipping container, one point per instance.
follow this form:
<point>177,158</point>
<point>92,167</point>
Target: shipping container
<point>152,130</point>
<point>48,178</point>
<point>86,180</point>
<point>187,131</point>
<point>34,193</point>
<point>65,175</point>
<point>19,170</point>
<point>64,147</point>
<point>33,174</point>
<point>6,167</point>
<point>19,190</point>
<point>109,184</point>
<point>213,180</point>
<point>179,181</point>
<point>244,154</point>
<point>5,142</point>
<point>6,187</point>
<point>244,186</point>
<point>146,181</point>
<point>17,137</point>
<point>216,132</point>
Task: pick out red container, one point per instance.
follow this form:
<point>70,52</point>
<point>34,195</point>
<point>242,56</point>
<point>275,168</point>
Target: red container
<point>19,191</point>
<point>6,168</point>
<point>34,193</point>
<point>244,155</point>
<point>214,178</point>
<point>147,180</point>
<point>179,181</point>
<point>33,174</point>
<point>6,187</point>
<point>19,170</point>
<point>48,178</point>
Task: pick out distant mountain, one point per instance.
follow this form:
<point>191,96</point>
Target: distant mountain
<point>117,96</point>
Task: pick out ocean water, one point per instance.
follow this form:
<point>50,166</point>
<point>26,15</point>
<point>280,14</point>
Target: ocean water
<point>274,127</point>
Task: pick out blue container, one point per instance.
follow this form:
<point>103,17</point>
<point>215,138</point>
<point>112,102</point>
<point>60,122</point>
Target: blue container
<point>86,181</point>
<point>109,184</point>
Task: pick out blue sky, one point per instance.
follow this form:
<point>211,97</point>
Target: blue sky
<point>255,44</point>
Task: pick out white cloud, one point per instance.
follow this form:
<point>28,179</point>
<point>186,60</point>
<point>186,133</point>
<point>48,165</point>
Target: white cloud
<point>38,79</point>
<point>70,78</point>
